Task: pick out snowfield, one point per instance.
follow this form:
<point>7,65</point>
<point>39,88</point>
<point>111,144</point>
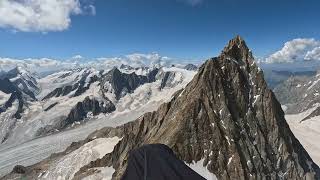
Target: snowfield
<point>307,132</point>
<point>6,121</point>
<point>68,165</point>
<point>35,117</point>
<point>202,170</point>
<point>63,78</point>
<point>4,97</point>
<point>145,98</point>
<point>34,151</point>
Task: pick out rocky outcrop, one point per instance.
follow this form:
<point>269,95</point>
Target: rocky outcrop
<point>51,106</point>
<point>19,169</point>
<point>78,114</point>
<point>8,87</point>
<point>227,117</point>
<point>80,111</point>
<point>79,87</point>
<point>169,79</point>
<point>24,80</point>
<point>191,67</point>
<point>123,83</point>
<point>61,91</point>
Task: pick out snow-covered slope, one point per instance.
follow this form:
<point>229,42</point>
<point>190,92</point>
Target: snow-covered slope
<point>22,148</point>
<point>202,170</point>
<point>299,93</point>
<point>66,167</point>
<point>65,78</point>
<point>4,97</point>
<point>26,81</point>
<point>307,132</point>
<point>300,96</point>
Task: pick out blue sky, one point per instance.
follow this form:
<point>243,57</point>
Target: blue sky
<point>183,29</point>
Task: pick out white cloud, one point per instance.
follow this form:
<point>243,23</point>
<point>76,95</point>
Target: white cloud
<point>314,54</point>
<point>44,65</point>
<point>39,15</point>
<point>294,50</point>
<point>147,59</point>
<point>36,65</point>
<point>77,57</point>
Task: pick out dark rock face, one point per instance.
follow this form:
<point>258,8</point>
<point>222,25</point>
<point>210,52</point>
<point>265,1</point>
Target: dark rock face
<point>19,169</point>
<point>61,91</point>
<point>168,79</point>
<point>123,83</point>
<point>79,112</point>
<point>27,84</point>
<point>191,67</point>
<point>226,116</point>
<point>83,86</point>
<point>8,87</point>
<point>51,106</point>
<point>79,87</point>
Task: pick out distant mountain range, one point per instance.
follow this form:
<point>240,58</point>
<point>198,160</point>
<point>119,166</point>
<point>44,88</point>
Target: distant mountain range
<point>66,98</point>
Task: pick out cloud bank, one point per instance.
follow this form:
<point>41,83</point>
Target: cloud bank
<point>40,15</point>
<point>46,65</point>
<point>296,50</point>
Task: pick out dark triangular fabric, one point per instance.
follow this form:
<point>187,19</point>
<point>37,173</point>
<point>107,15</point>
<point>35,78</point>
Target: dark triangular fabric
<point>157,162</point>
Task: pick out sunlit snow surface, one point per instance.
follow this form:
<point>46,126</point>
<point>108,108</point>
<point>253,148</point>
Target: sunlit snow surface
<point>6,121</point>
<point>66,167</point>
<point>307,132</point>
<point>4,97</point>
<point>144,99</point>
<point>34,117</point>
<point>202,170</point>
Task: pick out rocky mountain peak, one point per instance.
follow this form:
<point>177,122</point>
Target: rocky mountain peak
<point>238,50</point>
<point>114,71</point>
<point>14,71</point>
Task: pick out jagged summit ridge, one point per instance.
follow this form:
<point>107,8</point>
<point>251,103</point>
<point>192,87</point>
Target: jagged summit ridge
<point>238,50</point>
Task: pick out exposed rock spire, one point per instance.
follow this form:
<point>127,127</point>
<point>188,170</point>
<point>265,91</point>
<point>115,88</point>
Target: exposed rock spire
<point>238,50</point>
